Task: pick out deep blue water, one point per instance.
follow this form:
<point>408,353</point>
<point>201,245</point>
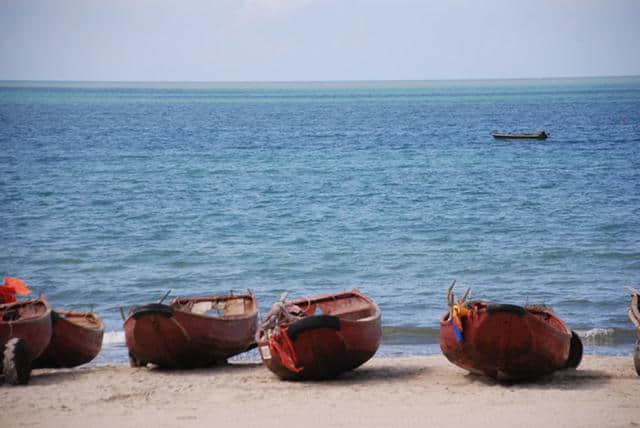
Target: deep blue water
<point>112,194</point>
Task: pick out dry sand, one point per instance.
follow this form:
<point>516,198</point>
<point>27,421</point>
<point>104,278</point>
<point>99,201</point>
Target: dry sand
<point>385,392</point>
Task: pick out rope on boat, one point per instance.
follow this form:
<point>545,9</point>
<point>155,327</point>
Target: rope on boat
<point>279,314</point>
<point>457,311</point>
<point>281,343</point>
<point>275,327</point>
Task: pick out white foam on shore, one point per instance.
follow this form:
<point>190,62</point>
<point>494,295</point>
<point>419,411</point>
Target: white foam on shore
<point>598,336</point>
<point>113,338</point>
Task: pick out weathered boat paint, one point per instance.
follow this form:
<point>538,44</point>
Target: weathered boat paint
<point>76,339</point>
<point>25,332</point>
<point>509,342</point>
<point>183,335</point>
<point>29,320</point>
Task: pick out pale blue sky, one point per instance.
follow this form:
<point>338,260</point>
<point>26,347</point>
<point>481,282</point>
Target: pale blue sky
<point>284,40</point>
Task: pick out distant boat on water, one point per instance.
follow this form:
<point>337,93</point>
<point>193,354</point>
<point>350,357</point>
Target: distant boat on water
<point>542,135</point>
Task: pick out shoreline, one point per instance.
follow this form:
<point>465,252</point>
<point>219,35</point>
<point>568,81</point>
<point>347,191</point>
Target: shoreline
<point>604,342</point>
<point>386,391</point>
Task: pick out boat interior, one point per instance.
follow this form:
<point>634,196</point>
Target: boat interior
<point>83,319</point>
<point>230,306</point>
<point>23,310</point>
<point>348,306</point>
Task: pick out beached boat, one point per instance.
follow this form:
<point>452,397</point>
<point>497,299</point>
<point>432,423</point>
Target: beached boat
<point>25,331</point>
<point>191,331</point>
<point>634,316</point>
<point>76,339</point>
<point>507,342</point>
<point>319,337</point>
<point>542,135</point>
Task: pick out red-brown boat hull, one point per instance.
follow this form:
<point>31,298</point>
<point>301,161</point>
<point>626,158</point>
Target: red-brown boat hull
<point>29,320</point>
<point>173,338</point>
<point>76,339</point>
<point>328,351</point>
<point>507,342</point>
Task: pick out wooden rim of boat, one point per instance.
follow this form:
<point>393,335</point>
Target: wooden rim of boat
<point>85,319</point>
<point>335,296</point>
<point>25,303</point>
<point>197,306</point>
<point>280,314</point>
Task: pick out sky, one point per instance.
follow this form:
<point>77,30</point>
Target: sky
<point>316,40</point>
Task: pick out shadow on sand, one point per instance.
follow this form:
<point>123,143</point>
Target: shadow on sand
<point>54,376</point>
<point>372,375</point>
<point>569,379</point>
<point>203,371</point>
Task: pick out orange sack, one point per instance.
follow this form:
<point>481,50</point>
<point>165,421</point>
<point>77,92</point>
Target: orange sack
<point>10,287</point>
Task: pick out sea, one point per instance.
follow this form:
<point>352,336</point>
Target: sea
<point>113,194</point>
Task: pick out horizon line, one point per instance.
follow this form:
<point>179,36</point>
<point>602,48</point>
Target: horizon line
<point>463,79</point>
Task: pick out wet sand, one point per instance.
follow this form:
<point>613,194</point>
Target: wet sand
<point>385,392</point>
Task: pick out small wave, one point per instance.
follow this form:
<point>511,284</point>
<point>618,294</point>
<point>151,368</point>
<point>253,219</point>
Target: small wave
<point>553,254</point>
<point>59,261</point>
<point>113,338</point>
<point>101,202</point>
<point>618,255</point>
<point>181,264</point>
<point>612,227</point>
<point>596,333</point>
<point>409,335</point>
<point>606,336</point>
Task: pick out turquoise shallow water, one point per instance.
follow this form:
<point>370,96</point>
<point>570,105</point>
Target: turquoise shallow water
<point>114,193</point>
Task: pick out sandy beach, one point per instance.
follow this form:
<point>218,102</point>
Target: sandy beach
<point>385,392</point>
